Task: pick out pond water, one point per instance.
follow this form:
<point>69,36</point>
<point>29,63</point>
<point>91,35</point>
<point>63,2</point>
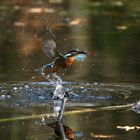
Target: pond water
<point>93,110</point>
<point>101,90</point>
<point>97,111</point>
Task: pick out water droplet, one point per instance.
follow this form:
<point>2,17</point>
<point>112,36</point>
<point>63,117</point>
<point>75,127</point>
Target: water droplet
<point>26,86</point>
<point>59,92</point>
<point>20,88</point>
<point>2,96</point>
<point>33,77</point>
<point>36,122</point>
<point>43,120</point>
<point>95,83</point>
<point>8,96</point>
<point>15,88</point>
<point>23,68</point>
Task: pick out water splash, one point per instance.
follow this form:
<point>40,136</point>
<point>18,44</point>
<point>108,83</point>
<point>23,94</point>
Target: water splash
<point>136,107</point>
<point>57,107</point>
<point>59,92</point>
<point>55,80</point>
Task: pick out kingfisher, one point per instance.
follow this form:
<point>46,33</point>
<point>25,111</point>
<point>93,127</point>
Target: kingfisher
<point>67,130</point>
<point>60,61</point>
<point>69,133</point>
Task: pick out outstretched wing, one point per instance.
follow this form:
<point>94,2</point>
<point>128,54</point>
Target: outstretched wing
<point>49,48</point>
<point>49,44</point>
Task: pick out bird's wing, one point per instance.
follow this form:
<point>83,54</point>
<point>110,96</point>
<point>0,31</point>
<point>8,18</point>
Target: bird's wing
<point>49,48</point>
<point>49,44</point>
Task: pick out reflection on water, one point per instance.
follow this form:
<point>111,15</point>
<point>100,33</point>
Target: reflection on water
<point>109,30</point>
<point>94,110</point>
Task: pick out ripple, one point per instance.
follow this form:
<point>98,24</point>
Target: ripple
<point>40,93</point>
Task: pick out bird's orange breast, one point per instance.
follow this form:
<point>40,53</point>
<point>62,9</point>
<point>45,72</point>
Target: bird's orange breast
<point>60,63</point>
<point>69,61</point>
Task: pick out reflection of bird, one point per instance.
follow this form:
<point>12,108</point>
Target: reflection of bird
<point>60,60</point>
<point>67,130</point>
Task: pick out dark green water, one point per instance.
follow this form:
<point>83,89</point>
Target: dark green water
<point>97,111</point>
<point>109,30</point>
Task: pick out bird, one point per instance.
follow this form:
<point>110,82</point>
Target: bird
<point>60,61</point>
<point>67,130</point>
<point>69,133</point>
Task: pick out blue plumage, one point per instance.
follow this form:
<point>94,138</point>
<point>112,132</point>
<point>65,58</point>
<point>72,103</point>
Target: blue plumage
<point>80,57</point>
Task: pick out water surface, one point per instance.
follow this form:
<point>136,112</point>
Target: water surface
<point>96,110</point>
<point>106,84</point>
